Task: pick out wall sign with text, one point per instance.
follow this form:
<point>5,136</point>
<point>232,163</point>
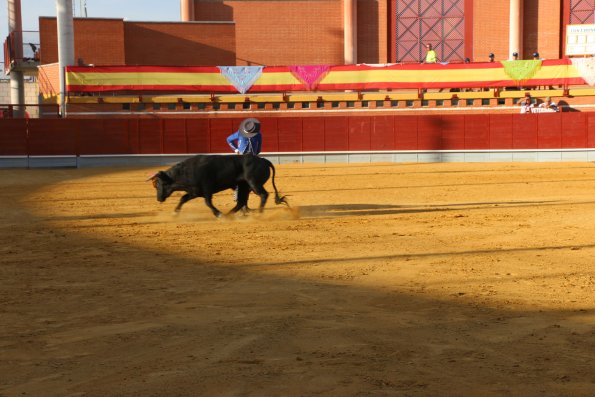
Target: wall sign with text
<point>580,39</point>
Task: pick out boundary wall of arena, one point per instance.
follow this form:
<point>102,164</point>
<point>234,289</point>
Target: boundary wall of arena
<point>565,136</point>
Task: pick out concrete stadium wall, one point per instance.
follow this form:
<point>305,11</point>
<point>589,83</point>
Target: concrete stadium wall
<point>31,95</point>
<point>383,138</point>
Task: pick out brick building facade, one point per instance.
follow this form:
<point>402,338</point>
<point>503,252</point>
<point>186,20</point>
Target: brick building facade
<point>102,41</point>
<point>286,32</point>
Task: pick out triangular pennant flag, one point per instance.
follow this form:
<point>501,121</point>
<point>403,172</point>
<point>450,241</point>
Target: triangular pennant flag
<point>521,70</point>
<point>309,75</point>
<point>242,77</point>
<point>586,68</point>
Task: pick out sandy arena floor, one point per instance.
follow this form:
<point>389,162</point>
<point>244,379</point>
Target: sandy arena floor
<point>384,280</point>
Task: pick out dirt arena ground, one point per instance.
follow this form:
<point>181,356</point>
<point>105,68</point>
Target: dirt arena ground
<point>383,280</point>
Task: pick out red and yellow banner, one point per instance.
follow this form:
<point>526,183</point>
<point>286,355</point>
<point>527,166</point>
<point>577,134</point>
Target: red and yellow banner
<point>209,79</point>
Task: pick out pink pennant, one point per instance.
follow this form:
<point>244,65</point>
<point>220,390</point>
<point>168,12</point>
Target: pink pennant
<point>310,75</point>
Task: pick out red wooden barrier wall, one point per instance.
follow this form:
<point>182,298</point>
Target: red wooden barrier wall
<point>39,137</point>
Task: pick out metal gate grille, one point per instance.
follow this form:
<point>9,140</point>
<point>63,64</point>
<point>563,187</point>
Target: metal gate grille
<point>582,11</point>
<point>439,22</point>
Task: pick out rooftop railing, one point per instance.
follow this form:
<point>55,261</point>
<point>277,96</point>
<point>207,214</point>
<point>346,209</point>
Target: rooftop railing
<point>21,50</point>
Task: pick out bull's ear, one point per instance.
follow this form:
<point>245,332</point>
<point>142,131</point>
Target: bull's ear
<point>164,177</point>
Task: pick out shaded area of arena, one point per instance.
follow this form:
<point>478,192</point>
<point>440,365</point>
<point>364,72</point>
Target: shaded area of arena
<point>384,279</point>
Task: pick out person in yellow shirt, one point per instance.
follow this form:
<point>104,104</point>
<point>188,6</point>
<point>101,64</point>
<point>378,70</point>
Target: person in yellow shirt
<point>431,56</point>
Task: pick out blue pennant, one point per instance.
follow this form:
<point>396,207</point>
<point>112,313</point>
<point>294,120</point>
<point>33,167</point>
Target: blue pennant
<point>242,77</point>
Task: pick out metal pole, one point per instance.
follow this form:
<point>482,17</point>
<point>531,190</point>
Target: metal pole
<point>65,46</point>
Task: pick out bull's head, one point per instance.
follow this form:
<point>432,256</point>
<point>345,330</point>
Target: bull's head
<point>163,184</point>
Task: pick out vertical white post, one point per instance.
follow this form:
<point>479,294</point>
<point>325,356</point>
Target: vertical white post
<point>350,31</point>
<point>186,10</point>
<point>17,81</point>
<point>65,45</point>
<point>515,29</point>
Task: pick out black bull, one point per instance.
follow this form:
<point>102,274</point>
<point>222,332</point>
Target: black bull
<point>205,175</point>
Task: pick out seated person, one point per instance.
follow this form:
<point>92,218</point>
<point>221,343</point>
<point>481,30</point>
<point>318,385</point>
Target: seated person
<point>548,104</point>
<point>526,105</point>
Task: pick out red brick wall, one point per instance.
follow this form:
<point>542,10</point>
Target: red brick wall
<point>278,32</point>
<point>281,32</point>
<point>542,28</point>
<point>96,41</point>
<point>48,78</point>
<point>180,44</point>
<point>115,42</point>
<point>372,31</point>
<point>490,29</point>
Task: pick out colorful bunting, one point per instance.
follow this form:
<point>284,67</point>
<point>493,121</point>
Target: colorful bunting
<point>242,77</point>
<point>310,75</point>
<point>259,79</point>
<point>521,70</point>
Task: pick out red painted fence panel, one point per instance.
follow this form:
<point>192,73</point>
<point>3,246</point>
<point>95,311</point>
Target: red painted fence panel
<point>53,137</point>
<point>406,132</point>
<point>219,130</point>
<point>290,134</point>
<point>590,127</point>
<point>105,136</point>
<point>150,136</point>
<point>13,138</point>
<point>198,136</point>
<point>500,131</point>
<point>477,131</point>
<point>524,131</point>
<point>453,132</point>
<point>269,128</point>
<point>549,131</point>
<point>574,130</point>
<point>336,133</point>
<point>382,135</point>
<point>313,134</point>
<point>299,134</point>
<point>429,133</point>
<point>174,136</point>
<point>359,131</point>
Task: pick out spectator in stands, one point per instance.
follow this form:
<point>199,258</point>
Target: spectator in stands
<point>515,56</point>
<point>536,56</point>
<point>526,105</point>
<point>548,104</point>
<point>491,57</point>
<point>431,56</point>
<point>467,60</point>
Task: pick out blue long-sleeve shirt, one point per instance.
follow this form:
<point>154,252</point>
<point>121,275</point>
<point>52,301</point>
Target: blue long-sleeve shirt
<point>243,144</point>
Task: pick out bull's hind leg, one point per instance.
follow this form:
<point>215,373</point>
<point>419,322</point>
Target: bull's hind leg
<point>263,194</point>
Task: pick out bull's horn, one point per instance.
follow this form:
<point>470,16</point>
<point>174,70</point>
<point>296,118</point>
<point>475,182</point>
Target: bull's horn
<point>153,176</point>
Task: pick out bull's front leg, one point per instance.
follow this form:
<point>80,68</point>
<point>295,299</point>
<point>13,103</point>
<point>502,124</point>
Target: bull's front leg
<point>209,202</point>
<point>183,199</point>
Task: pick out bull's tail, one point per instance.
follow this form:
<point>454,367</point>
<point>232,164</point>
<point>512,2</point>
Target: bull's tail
<point>278,198</point>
